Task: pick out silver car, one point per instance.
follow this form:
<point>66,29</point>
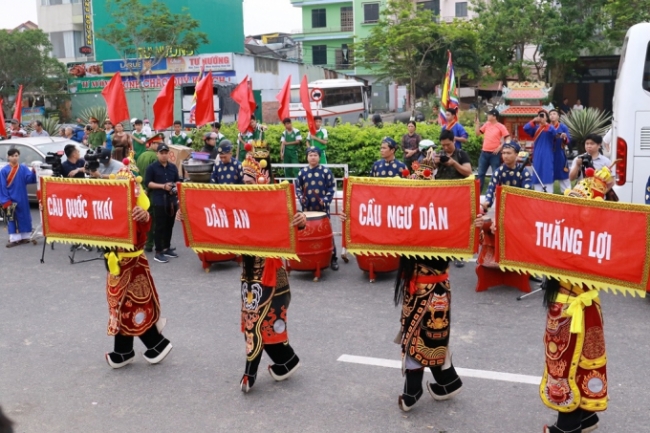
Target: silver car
<point>34,149</point>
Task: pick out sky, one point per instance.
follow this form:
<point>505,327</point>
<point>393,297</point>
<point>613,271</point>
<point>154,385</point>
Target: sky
<point>260,16</point>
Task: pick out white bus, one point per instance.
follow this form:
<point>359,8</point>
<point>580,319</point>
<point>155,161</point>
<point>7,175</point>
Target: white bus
<point>346,99</point>
<point>631,120</point>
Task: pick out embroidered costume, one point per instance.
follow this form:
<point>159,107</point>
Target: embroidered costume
<point>230,173</point>
<point>382,168</point>
<point>15,201</point>
<point>504,175</point>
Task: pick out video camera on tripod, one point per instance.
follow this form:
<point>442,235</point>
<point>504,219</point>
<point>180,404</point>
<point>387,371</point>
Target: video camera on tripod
<point>53,162</point>
<point>92,158</point>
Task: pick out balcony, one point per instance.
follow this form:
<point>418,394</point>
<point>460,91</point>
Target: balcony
<point>323,33</point>
<point>301,3</point>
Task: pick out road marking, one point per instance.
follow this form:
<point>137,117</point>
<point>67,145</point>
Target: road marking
<point>465,372</point>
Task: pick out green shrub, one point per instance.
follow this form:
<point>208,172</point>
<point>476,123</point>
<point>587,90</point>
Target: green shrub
<point>348,144</point>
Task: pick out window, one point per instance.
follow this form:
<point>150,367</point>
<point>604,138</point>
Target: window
<point>646,70</point>
<point>347,19</point>
<point>461,9</point>
<point>342,96</point>
<point>431,5</point>
<point>370,12</point>
<point>65,45</point>
<point>318,18</point>
<point>319,54</point>
<point>344,57</point>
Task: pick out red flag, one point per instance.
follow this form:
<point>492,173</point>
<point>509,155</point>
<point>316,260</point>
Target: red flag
<point>163,108</point>
<point>19,104</point>
<point>3,129</point>
<point>205,101</point>
<point>306,104</point>
<point>113,93</point>
<point>241,95</point>
<point>284,98</point>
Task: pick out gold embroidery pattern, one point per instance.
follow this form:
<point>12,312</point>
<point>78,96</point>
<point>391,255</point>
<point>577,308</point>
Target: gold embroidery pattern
<point>556,368</point>
<point>594,346</point>
<point>139,288</point>
<point>594,384</point>
<point>427,355</point>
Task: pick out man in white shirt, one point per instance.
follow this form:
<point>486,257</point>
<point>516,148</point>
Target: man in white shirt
<point>38,130</point>
<point>598,161</point>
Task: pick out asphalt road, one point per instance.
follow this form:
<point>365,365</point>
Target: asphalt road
<point>53,377</point>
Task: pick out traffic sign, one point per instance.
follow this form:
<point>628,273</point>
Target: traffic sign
<point>316,94</point>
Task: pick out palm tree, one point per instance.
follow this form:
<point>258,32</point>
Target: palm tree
<point>584,122</point>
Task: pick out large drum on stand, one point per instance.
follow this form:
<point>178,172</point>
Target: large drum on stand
<point>314,245</point>
<point>375,264</point>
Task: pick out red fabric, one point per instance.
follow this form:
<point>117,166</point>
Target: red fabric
<point>113,93</point>
<point>6,205</point>
<point>426,279</point>
<point>12,175</point>
<point>284,98</point>
<point>242,96</point>
<point>19,105</point>
<point>306,104</point>
<point>205,101</point>
<point>251,100</point>
<point>271,267</point>
<point>163,108</point>
<point>3,129</point>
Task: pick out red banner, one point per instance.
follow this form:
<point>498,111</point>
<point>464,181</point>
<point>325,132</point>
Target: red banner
<point>601,244</point>
<point>240,219</point>
<point>400,216</point>
<point>88,211</point>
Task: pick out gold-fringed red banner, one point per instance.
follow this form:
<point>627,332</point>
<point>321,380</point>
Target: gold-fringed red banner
<point>601,244</point>
<point>88,211</point>
<point>239,219</point>
<point>429,218</point>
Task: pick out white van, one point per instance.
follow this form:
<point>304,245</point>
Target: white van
<point>631,121</point>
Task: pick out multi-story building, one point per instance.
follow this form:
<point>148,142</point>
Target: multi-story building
<point>71,26</point>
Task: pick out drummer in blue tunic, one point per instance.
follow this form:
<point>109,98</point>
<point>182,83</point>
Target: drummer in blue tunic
<point>315,188</point>
<point>388,166</point>
<point>510,174</point>
<point>229,170</point>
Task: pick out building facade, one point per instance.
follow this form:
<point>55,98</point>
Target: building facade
<point>62,21</point>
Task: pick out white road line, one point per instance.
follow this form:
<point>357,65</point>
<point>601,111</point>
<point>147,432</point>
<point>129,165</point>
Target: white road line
<point>465,372</point>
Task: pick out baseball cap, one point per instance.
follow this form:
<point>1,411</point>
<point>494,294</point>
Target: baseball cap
<point>163,147</point>
<point>494,112</point>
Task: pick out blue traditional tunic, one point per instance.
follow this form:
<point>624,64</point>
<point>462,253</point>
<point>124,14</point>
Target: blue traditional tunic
<point>13,189</point>
<point>543,158</point>
<point>560,162</point>
<point>313,186</point>
<point>505,175</point>
<point>228,174</point>
<point>382,168</point>
<point>458,131</point>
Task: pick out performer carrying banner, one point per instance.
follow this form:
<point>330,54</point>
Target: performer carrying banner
<point>315,188</point>
<point>228,171</point>
<point>388,166</point>
<point>575,374</point>
<point>14,179</point>
<point>422,287</point>
<point>133,305</point>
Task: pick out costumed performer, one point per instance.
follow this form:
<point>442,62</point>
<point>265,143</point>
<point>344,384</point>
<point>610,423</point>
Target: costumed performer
<point>543,134</point>
<point>14,179</point>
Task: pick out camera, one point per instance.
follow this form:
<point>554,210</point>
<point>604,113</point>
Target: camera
<point>587,161</point>
<point>173,191</point>
<point>92,159</point>
<point>53,162</point>
<point>444,158</point>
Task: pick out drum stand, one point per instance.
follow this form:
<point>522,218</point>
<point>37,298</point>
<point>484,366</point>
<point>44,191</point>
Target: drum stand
<point>537,290</point>
<point>73,262</point>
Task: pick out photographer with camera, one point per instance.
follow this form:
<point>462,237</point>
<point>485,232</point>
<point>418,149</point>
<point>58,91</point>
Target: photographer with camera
<point>160,180</point>
<point>544,135</point>
<point>591,158</point>
<point>452,163</point>
<point>73,166</point>
<point>101,165</point>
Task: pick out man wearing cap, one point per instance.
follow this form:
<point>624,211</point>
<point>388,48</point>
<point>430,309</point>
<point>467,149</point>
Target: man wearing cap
<point>139,139</point>
<point>16,130</point>
<point>107,166</point>
<point>97,137</point>
<point>146,159</point>
<point>543,134</point>
<point>38,130</point>
<point>494,135</point>
<point>160,180</point>
<point>229,171</point>
<point>290,142</point>
<point>178,137</point>
<point>315,188</point>
<point>210,144</point>
<point>509,174</point>
<point>388,166</point>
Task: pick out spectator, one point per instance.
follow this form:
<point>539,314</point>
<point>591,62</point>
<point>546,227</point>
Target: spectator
<point>460,135</point>
<point>290,142</point>
<point>319,140</point>
<point>591,158</point>
<point>160,180</point>
<point>179,137</point>
<point>146,159</point>
<point>410,144</point>
<point>564,108</point>
<point>14,179</point>
<point>607,143</point>
<point>494,135</point>
<point>62,132</point>
<point>16,129</point>
<point>97,137</point>
<point>87,131</point>
<point>560,161</point>
<point>544,135</point>
<point>122,144</point>
<point>146,128</point>
<point>210,144</point>
<point>139,139</point>
<point>108,129</point>
<point>255,132</point>
<point>73,166</point>
<point>376,121</point>
<point>38,130</point>
<point>216,127</point>
<point>107,166</point>
<point>578,105</point>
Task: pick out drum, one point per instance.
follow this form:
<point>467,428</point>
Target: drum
<point>207,259</point>
<point>314,245</point>
<point>377,264</point>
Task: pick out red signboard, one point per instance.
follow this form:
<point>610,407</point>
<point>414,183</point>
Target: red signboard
<point>401,216</point>
<point>89,211</point>
<point>240,219</point>
<point>601,244</point>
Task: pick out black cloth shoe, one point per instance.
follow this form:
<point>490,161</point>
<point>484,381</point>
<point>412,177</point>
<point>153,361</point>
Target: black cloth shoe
<point>334,264</point>
<point>119,360</point>
<point>412,389</point>
<point>589,422</point>
<point>250,374</point>
<point>280,372</point>
<point>159,352</point>
<point>447,385</point>
<point>556,429</point>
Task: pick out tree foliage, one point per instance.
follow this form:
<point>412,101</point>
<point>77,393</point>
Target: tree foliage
<point>149,31</point>
<point>26,61</point>
<point>623,14</point>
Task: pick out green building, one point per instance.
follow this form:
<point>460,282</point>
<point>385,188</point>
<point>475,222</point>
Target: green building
<point>221,20</point>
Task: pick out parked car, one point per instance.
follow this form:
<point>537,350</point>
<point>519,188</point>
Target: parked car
<point>34,149</point>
